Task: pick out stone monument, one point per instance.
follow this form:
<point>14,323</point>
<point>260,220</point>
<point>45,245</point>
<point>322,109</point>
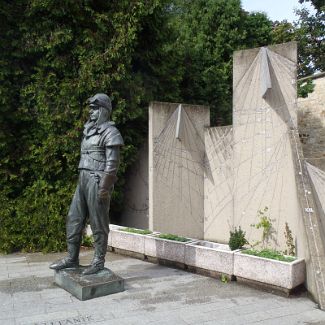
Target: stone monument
<point>100,150</point>
<point>176,168</point>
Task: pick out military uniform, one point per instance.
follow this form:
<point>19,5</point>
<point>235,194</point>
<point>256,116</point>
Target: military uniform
<point>100,150</point>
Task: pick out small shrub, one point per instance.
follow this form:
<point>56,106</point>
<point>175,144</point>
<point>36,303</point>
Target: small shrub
<point>87,241</point>
<point>137,231</point>
<point>269,253</point>
<point>173,237</point>
<point>237,239</point>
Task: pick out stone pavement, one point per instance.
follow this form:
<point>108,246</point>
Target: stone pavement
<point>154,295</point>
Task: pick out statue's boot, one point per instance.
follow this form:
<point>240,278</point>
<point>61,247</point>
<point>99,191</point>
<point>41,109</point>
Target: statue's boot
<point>72,260</point>
<point>96,265</point>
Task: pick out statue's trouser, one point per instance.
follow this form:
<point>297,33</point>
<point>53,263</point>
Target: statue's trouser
<point>85,203</point>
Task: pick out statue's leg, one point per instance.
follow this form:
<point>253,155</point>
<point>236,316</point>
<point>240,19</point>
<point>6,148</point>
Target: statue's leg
<point>74,225</point>
<point>77,216</point>
<point>99,223</point>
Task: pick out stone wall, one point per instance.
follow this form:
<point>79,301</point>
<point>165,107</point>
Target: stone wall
<point>311,124</point>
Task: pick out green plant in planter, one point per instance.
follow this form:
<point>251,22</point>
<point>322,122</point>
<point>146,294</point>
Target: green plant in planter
<point>266,224</point>
<point>269,253</point>
<point>173,237</point>
<point>137,231</point>
<point>267,235</point>
<point>237,239</point>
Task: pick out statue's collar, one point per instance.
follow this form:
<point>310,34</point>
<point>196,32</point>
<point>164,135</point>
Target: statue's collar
<point>92,128</point>
<point>102,127</point>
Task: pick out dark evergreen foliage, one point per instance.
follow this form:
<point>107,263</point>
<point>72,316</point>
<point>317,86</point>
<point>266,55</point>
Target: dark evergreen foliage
<point>54,55</point>
<point>52,58</point>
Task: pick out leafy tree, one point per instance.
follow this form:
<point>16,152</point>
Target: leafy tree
<point>318,4</point>
<point>310,35</point>
<point>53,58</point>
<point>308,31</point>
<point>209,32</point>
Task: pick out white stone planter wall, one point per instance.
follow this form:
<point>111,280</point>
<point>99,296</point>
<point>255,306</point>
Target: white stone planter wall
<point>210,256</point>
<point>127,240</point>
<point>282,274</point>
<point>112,229</point>
<point>170,250</point>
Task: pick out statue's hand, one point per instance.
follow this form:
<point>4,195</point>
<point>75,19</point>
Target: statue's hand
<point>106,183</point>
<point>103,195</point>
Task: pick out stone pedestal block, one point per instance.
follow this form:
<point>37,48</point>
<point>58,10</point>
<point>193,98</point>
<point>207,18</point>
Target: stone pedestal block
<point>86,287</point>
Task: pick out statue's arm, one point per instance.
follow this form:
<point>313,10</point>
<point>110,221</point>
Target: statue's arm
<point>109,177</point>
<point>112,159</point>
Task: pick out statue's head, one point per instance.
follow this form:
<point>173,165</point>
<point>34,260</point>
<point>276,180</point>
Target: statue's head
<point>100,108</point>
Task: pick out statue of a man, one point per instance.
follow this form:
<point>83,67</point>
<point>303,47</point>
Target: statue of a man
<point>100,149</point>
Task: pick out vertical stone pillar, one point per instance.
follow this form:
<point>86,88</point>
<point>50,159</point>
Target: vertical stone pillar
<point>176,168</point>
<point>218,184</point>
<point>264,111</point>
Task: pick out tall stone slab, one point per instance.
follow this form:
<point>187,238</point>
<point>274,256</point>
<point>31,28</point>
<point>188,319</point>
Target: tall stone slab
<point>176,168</point>
<point>264,112</point>
<point>135,211</point>
<point>218,184</point>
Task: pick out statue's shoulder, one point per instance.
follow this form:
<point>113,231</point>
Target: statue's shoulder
<point>111,135</point>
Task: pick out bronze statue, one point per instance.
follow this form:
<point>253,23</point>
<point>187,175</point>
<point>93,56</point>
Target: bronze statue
<point>100,150</point>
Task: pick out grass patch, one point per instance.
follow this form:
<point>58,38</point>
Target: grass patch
<point>137,231</point>
<point>173,237</point>
<point>269,253</point>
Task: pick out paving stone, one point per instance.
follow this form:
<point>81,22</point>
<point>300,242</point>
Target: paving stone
<point>133,320</point>
<point>45,317</point>
<point>8,321</point>
<point>6,313</point>
<point>154,295</point>
<point>176,321</point>
<point>26,297</point>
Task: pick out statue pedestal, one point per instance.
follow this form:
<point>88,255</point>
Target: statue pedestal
<point>86,287</point>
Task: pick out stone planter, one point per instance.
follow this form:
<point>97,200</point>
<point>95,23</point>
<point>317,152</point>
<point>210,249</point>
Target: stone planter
<point>112,228</point>
<point>127,241</point>
<point>166,249</point>
<point>287,275</point>
<point>210,256</point>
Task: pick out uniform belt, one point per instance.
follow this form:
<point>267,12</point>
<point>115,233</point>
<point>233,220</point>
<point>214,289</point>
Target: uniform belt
<point>92,150</point>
